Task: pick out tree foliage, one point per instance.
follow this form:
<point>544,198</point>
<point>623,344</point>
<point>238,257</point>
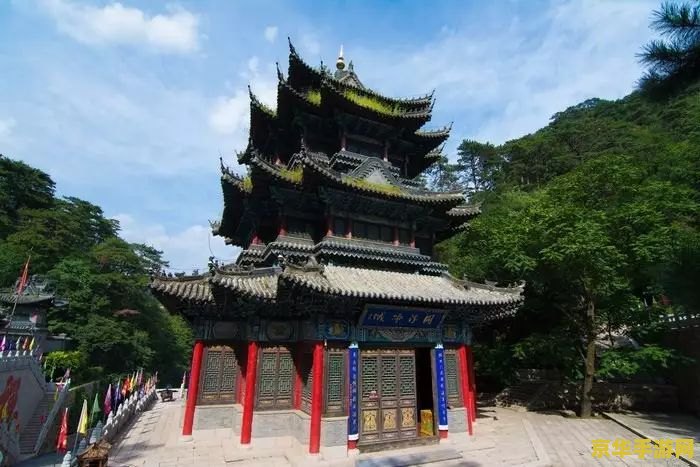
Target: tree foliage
<point>673,61</point>
<point>114,321</point>
<point>598,212</point>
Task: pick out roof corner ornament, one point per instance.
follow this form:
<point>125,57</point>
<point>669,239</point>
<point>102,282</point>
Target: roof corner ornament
<point>520,287</point>
<point>340,63</point>
<point>282,261</point>
<point>312,265</point>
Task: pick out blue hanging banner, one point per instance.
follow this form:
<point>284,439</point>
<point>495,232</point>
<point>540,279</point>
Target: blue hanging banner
<point>353,357</point>
<point>441,386</point>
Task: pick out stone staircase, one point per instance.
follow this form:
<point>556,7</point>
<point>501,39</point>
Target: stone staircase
<point>30,433</point>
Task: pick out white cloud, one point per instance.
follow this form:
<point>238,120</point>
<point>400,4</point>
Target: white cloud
<point>310,45</point>
<point>230,115</point>
<point>185,249</point>
<point>175,31</point>
<point>501,81</point>
<point>271,33</point>
<point>6,127</point>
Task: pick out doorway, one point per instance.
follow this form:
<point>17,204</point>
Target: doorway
<point>424,393</point>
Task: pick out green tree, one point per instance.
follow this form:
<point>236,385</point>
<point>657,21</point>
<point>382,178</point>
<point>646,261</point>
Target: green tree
<point>587,244</point>
<point>673,61</point>
<point>478,164</point>
<point>21,187</point>
<point>443,176</point>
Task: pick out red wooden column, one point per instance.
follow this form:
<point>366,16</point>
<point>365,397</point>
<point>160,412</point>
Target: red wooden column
<point>193,387</point>
<point>316,399</point>
<point>249,399</point>
<point>464,380</point>
<point>472,381</point>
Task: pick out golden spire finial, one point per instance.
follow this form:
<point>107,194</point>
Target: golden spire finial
<point>340,64</point>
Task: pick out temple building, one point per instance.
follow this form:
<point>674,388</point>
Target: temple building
<point>24,316</point>
<point>335,329</point>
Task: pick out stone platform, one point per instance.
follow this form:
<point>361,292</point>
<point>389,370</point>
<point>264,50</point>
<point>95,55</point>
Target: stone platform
<point>503,437</point>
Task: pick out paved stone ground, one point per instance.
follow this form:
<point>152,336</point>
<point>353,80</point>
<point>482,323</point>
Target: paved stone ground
<point>503,437</point>
<point>662,426</point>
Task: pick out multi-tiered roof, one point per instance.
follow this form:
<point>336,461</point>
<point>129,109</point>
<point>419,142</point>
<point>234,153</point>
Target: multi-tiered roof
<point>332,158</point>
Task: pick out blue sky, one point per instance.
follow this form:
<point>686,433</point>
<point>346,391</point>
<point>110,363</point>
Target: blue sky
<point>130,104</point>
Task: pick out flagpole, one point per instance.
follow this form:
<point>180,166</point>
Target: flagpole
<point>22,283</point>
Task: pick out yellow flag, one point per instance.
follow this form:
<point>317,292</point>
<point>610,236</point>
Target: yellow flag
<point>31,344</point>
<point>83,422</point>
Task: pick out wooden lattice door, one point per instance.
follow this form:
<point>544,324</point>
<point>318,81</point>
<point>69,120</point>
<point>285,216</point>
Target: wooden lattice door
<point>387,395</point>
<point>220,371</point>
<point>275,378</point>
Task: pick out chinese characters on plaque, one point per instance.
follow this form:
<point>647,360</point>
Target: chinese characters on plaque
<point>395,317</point>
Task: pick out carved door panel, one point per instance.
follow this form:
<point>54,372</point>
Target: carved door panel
<point>220,370</point>
<point>387,395</point>
<point>275,378</point>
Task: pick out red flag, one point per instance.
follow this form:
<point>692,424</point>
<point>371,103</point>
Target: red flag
<point>24,278</point>
<point>125,386</point>
<point>62,441</point>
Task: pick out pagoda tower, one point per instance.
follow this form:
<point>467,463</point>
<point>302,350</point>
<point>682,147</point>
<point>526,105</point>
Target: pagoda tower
<point>335,329</point>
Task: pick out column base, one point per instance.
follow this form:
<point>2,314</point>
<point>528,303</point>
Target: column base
<point>352,444</point>
<point>442,434</point>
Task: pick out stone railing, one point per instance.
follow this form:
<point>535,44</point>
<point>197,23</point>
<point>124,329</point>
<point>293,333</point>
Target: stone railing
<point>63,391</point>
<point>23,359</point>
<point>681,320</point>
<point>116,421</point>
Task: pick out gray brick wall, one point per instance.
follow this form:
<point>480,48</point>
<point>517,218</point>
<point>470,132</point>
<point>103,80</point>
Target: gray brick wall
<point>456,420</point>
<point>272,424</point>
<point>210,417</point>
<point>334,431</point>
<point>301,426</point>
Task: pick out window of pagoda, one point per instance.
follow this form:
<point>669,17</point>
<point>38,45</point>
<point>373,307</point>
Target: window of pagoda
<point>300,227</point>
<point>405,236</point>
<point>366,146</point>
<point>339,227</point>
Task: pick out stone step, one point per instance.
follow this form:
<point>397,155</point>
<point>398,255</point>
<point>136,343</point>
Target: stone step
<point>406,460</point>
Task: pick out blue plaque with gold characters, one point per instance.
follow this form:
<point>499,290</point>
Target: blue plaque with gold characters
<point>380,316</point>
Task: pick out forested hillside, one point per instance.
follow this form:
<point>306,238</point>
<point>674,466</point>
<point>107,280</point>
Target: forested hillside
<point>116,323</point>
<point>598,213</point>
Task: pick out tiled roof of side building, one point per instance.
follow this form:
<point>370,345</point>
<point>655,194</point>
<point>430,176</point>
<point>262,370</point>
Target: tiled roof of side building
<point>25,299</point>
<point>190,288</point>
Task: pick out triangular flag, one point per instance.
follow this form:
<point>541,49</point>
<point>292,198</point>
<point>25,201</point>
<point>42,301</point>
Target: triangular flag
<point>62,441</point>
<point>107,405</point>
<point>95,412</point>
<point>31,344</point>
<point>3,343</point>
<point>83,422</point>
